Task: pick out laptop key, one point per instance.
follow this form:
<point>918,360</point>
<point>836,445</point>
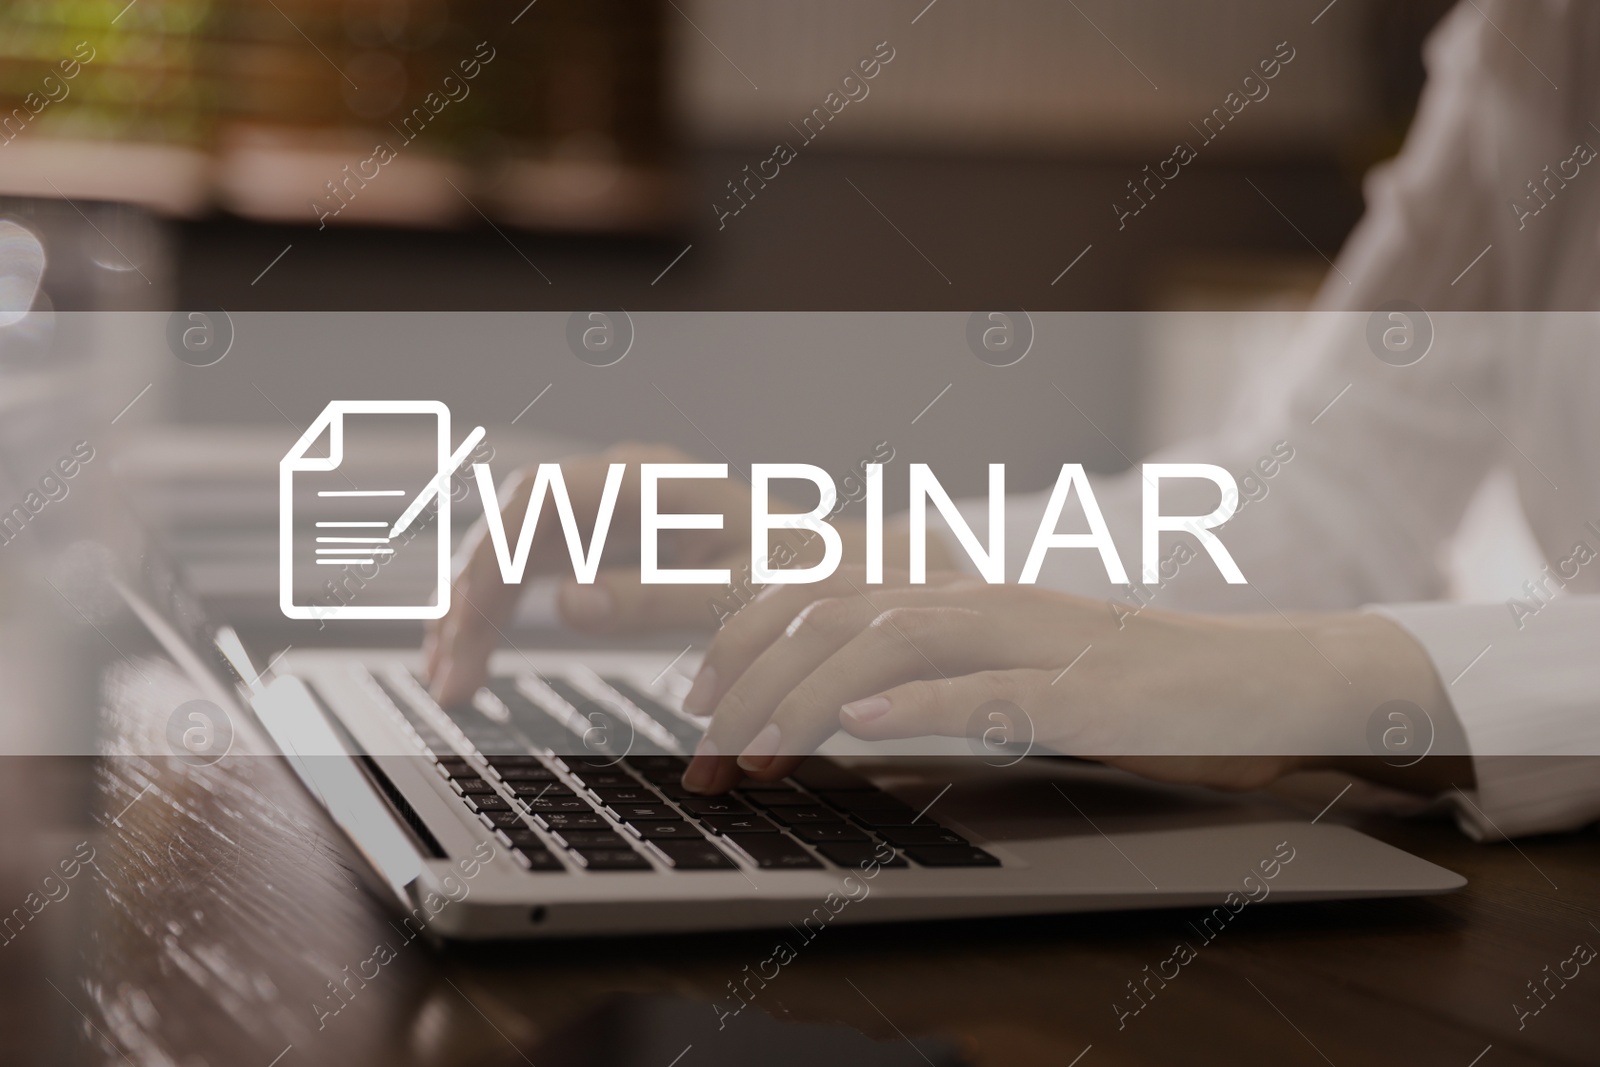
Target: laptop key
<point>952,856</point>
<point>739,824</point>
<point>475,786</point>
<point>648,763</point>
<point>659,831</point>
<point>495,802</point>
<point>714,806</point>
<point>522,759</point>
<point>695,855</point>
<point>837,832</point>
<point>574,820</point>
<point>643,812</point>
<point>770,801</point>
<point>542,860</point>
<point>663,777</point>
<point>878,819</point>
<point>612,779</point>
<point>852,854</point>
<point>812,816</point>
<point>907,836</point>
<point>766,787</point>
<point>658,768</point>
<point>536,790</point>
<point>644,745</point>
<point>527,774</point>
<point>613,859</point>
<point>854,802</point>
<point>505,820</point>
<point>525,838</point>
<point>821,775</point>
<point>774,851</point>
<point>556,803</point>
<point>586,839</point>
<point>637,794</point>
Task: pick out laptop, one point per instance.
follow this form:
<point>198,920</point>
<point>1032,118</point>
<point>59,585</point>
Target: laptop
<point>550,805</point>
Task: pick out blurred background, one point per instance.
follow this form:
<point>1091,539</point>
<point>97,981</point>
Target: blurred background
<point>324,170</point>
<point>602,136</point>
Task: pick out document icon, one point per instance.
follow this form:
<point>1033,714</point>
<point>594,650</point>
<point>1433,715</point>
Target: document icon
<point>356,539</point>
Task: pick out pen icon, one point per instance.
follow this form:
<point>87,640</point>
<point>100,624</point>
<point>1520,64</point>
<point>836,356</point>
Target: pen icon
<point>436,484</point>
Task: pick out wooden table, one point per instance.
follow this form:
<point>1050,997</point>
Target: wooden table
<point>220,905</point>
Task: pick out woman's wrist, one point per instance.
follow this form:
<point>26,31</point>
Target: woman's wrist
<point>1391,716</point>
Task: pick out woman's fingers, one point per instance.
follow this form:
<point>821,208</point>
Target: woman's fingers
<point>460,643</point>
<point>807,641</point>
<point>839,650</point>
<point>464,640</point>
<point>482,601</point>
<point>746,635</point>
<point>897,646</point>
<point>953,707</point>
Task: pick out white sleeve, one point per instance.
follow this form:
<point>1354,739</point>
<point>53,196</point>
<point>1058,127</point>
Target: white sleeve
<point>1377,482</point>
<point>1382,460</point>
<point>1527,692</point>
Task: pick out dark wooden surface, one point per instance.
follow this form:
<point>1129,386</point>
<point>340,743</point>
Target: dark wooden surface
<point>220,904</point>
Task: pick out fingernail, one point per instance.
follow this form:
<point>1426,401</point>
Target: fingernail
<point>759,753</point>
<point>866,710</point>
<point>586,605</point>
<point>697,779</point>
<point>698,702</point>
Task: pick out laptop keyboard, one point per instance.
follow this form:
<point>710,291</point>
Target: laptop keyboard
<point>592,783</point>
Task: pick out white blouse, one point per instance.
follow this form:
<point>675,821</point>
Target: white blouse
<point>1504,255</point>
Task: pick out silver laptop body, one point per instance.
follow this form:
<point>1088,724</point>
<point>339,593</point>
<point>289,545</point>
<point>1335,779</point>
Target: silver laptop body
<point>407,781</point>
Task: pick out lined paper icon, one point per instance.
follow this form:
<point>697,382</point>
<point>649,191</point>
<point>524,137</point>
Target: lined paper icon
<point>339,533</point>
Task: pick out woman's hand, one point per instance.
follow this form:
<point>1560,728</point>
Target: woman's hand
<point>1231,702</point>
<point>458,646</point>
